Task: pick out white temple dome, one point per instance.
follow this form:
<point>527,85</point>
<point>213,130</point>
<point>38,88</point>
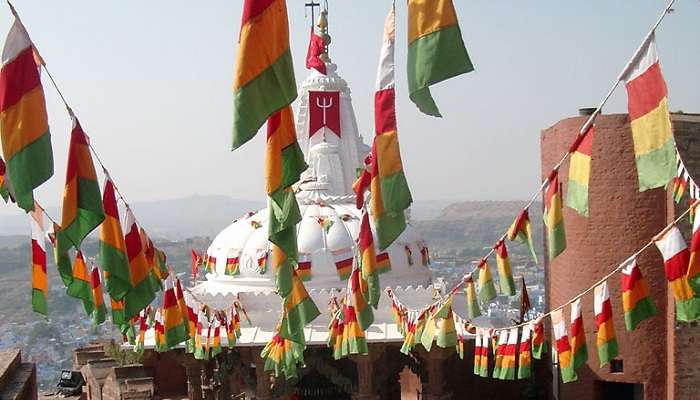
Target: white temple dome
<point>327,234</point>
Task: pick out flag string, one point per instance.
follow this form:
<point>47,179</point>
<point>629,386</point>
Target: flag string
<point>69,109</point>
<point>582,132</point>
<point>616,269</point>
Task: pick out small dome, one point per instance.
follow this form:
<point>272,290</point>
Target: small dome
<point>326,238</point>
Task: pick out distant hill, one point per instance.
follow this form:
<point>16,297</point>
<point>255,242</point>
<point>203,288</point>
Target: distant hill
<point>466,228</point>
<point>171,219</point>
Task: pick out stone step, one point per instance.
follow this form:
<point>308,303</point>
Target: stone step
<point>19,384</point>
<point>10,359</point>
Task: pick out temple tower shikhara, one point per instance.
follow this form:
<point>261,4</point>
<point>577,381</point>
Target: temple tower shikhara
<point>654,361</point>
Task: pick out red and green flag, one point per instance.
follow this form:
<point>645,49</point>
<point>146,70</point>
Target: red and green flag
<point>174,320</point>
<point>636,301</point>
<point>676,259</point>
<point>40,283</point>
<point>82,201</point>
<point>24,126</point>
<point>539,343</point>
<point>99,314</point>
<point>112,247</point>
<point>507,370</point>
<point>505,274</point>
<point>650,121</point>
<point>446,335</point>
<point>369,276</point>
<point>263,81</point>
<point>389,188</point>
<point>525,355</point>
<point>487,290</point>
<point>579,350</point>
<point>580,171</point>
<point>563,347</point>
<point>481,353</point>
<point>553,217</point>
<point>605,336</point>
<point>141,293</point>
<point>81,284</point>
<point>299,311</point>
<point>473,309</point>
<point>500,348</point>
<point>436,51</point>
<point>521,230</point>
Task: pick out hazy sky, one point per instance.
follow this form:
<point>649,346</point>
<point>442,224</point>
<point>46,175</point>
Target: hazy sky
<point>151,84</point>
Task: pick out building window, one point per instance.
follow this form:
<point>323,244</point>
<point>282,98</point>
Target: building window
<point>616,366</point>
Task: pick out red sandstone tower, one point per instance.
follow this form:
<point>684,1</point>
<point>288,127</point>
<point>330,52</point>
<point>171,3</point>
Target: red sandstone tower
<point>660,359</point>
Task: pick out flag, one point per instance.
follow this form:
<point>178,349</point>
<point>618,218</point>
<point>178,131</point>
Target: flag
<point>579,350</point>
<point>636,301</point>
<point>605,337</point>
<point>365,316</point>
<point>161,342</point>
<point>409,339</point>
<point>182,305</point>
<point>282,356</point>
<point>112,247</point>
<point>460,346</point>
<point>507,371</point>
<point>232,264</point>
<point>353,333</point>
<point>174,323</point>
<point>446,331</point>
<point>676,259</point>
<point>263,82</point>
<point>316,48</point>
<point>500,349</point>
<point>82,201</point>
<point>538,340</point>
<point>525,357</point>
<point>210,264</point>
<point>99,314</point>
<point>4,191</point>
<point>580,171</point>
<point>143,326</point>
<point>216,338</point>
<point>553,217</point>
<point>525,305</point>
<point>200,340</point>
<point>481,354</point>
<point>40,283</point>
<point>299,310</point>
<point>81,284</point>
<point>436,51</point>
<point>693,273</point>
<point>383,263</point>
<point>149,252</point>
<point>24,126</point>
<point>283,165</point>
<point>487,290</point>
<point>473,310</point>
<point>521,230</point>
<point>368,262</point>
<point>118,319</point>
<point>141,292</point>
<point>304,266</point>
<point>343,262</point>
<point>389,188</point>
<point>196,262</point>
<point>679,186</point>
<point>192,310</point>
<point>566,367</point>
<point>650,122</point>
<point>505,275</point>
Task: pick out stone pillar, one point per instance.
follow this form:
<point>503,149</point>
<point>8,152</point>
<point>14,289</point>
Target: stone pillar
<point>435,360</point>
<point>365,373</point>
<point>262,389</point>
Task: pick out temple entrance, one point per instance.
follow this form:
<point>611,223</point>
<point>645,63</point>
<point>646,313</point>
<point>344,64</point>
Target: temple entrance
<point>325,378</point>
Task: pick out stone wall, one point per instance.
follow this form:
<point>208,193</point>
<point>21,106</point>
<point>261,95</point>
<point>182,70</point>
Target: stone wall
<point>621,221</point>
